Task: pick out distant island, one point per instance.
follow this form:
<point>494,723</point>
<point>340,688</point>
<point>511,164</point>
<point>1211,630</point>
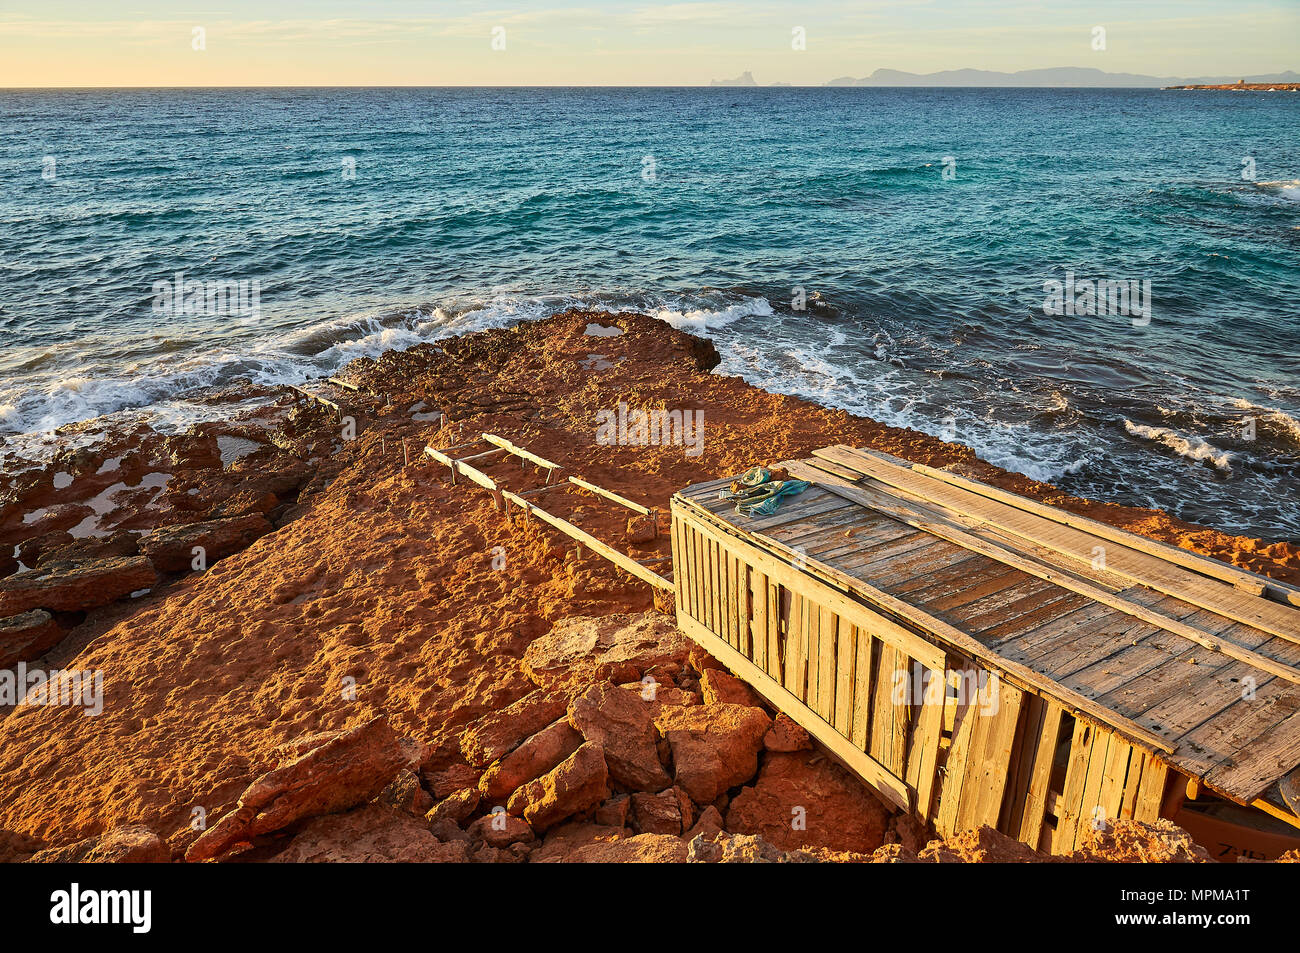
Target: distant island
<point>1060,76</point>
<point>1242,85</point>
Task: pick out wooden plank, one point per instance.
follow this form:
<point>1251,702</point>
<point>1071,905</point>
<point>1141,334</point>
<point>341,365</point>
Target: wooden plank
<point>520,452</point>
<point>1089,807</point>
<point>796,676</point>
<point>891,787</point>
<point>933,656</point>
<point>621,560</point>
<point>924,751</point>
<point>1121,558</point>
<point>1076,775</point>
<point>883,707</point>
<point>1049,731</point>
<point>775,645</point>
<point>863,688</point>
<point>982,800</point>
<point>958,764</point>
<point>676,531</point>
<point>1111,797</point>
<point>475,476</point>
<point>610,495</point>
<point>828,632</point>
<point>1086,589</point>
<point>1205,565</point>
<point>758,622</point>
<point>845,657</point>
<point>1151,790</point>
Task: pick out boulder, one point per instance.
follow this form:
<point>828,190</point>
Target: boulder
<point>578,783</point>
<point>27,636</point>
<point>1126,841</point>
<point>443,781</point>
<point>456,807</point>
<point>171,549</point>
<point>121,845</point>
<point>406,794</point>
<point>623,725</point>
<point>714,747</point>
<point>87,549</point>
<point>657,813</point>
<point>618,648</point>
<point>800,800</point>
<point>983,845</point>
<point>499,732</point>
<point>375,833</point>
<point>499,829</point>
<point>722,688</point>
<point>539,754</point>
<point>592,844</point>
<point>613,813</point>
<point>66,587</point>
<point>786,735</point>
<point>349,768</point>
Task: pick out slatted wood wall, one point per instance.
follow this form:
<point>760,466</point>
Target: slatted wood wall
<point>959,759</point>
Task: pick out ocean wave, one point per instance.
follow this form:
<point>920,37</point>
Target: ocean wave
<point>1190,447</point>
<point>1284,425</point>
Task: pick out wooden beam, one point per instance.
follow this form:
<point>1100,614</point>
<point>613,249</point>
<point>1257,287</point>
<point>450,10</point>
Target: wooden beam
<point>1241,578</point>
<point>952,534</point>
<point>610,495</point>
<point>476,476</point>
<point>520,452</point>
<point>891,787</point>
<point>621,560</point>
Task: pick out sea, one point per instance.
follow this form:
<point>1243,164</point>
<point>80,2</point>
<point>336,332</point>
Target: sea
<point>1097,288</point>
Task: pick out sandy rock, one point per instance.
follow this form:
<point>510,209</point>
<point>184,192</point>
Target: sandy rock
<point>565,839</point>
<point>640,529</point>
<point>500,830</point>
<point>708,824</point>
<point>786,735</point>
<point>443,781</point>
<point>65,587</point>
<point>835,809</point>
<point>16,847</point>
<point>893,854</point>
<point>1128,841</point>
<point>613,849</point>
<point>981,846</point>
<point>27,636</point>
<point>726,848</point>
<point>657,813</point>
<point>623,725</point>
<point>618,648</point>
<point>121,845</point>
<point>723,688</point>
<point>614,812</point>
<point>170,549</point>
<point>576,784</point>
<point>714,747</point>
<point>456,807</point>
<point>350,768</point>
<point>656,693</point>
<point>499,732</point>
<point>539,754</point>
<point>375,833</point>
<point>406,794</point>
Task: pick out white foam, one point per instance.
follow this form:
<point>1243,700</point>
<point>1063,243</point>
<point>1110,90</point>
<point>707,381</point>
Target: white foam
<point>1190,447</point>
<point>601,331</point>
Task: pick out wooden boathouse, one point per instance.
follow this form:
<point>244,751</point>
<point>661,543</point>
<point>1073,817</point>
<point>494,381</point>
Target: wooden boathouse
<point>981,658</point>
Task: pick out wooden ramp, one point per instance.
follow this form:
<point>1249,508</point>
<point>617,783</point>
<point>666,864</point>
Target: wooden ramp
<point>980,658</point>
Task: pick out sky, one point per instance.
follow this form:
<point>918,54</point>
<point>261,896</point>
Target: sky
<point>621,42</point>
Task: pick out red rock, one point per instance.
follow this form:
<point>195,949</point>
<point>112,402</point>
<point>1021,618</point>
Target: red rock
<point>618,648</point>
<point>499,829</point>
<point>348,769</point>
<point>64,587</point>
<point>499,732</point>
<point>657,813</point>
<point>27,636</point>
<point>530,760</point>
<point>709,824</point>
<point>406,794</point>
<point>121,845</point>
<point>723,688</point>
<point>835,809</point>
<point>589,844</point>
<point>714,747</point>
<point>786,735</point>
<point>453,777</point>
<point>374,833</point>
<point>171,549</point>
<point>1128,841</point>
<point>623,725</point>
<point>90,548</point>
<point>577,784</point>
<point>613,813</point>
<point>457,806</point>
<point>640,529</point>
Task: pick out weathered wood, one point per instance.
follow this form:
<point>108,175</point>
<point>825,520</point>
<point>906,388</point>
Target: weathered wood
<point>952,534</point>
<point>609,495</point>
<point>891,787</point>
<point>1205,565</point>
<point>520,452</point>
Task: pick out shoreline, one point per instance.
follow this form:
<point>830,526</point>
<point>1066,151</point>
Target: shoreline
<point>340,560</point>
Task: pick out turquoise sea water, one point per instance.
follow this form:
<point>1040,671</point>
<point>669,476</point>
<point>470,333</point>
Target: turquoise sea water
<point>375,219</point>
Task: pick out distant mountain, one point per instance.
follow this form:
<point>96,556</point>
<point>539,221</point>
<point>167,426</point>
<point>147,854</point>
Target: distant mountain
<point>1058,76</point>
<point>744,79</point>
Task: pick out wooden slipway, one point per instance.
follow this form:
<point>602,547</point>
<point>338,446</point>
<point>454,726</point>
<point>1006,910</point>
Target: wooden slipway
<point>981,658</point>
